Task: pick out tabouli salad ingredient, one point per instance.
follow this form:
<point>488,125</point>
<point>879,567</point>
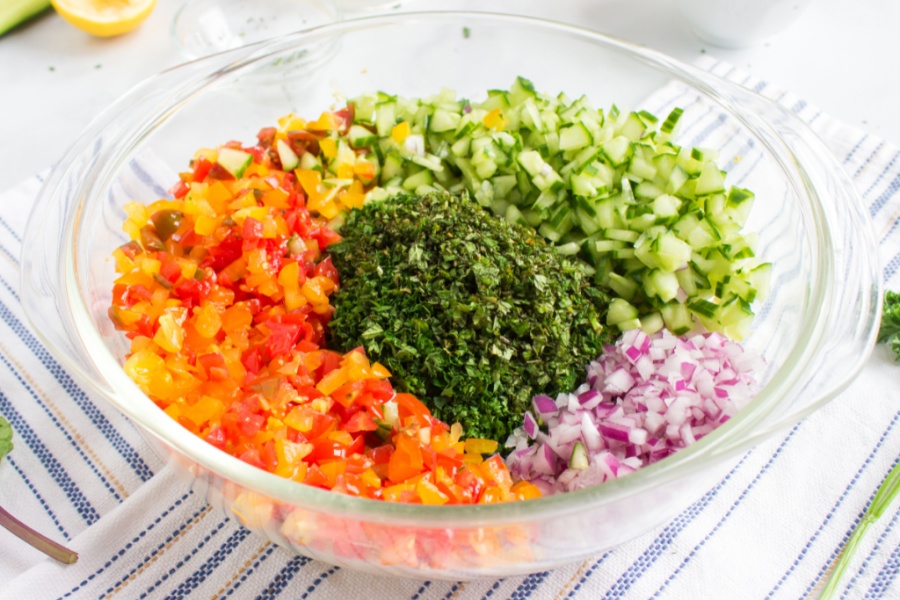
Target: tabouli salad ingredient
<point>17,527</point>
<point>645,398</point>
<point>470,313</point>
<point>224,293</point>
<point>889,330</point>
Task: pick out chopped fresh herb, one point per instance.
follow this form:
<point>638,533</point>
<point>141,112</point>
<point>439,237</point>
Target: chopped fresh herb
<point>467,32</point>
<point>17,527</point>
<point>6,444</point>
<point>470,313</point>
<point>889,332</point>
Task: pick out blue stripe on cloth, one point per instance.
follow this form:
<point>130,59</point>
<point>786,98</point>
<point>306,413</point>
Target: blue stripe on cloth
<point>318,581</point>
<point>147,179</point>
<point>12,256</point>
<point>658,546</point>
<point>57,472</point>
<point>891,267</point>
<point>421,591</point>
<point>666,537</point>
<point>885,169</point>
<point>65,431</point>
<point>493,589</point>
<point>529,585</point>
<point>587,575</point>
<point>876,551</point>
<point>866,162</point>
<point>126,450</point>
<point>12,232</point>
<point>37,495</point>
<point>730,510</point>
<point>270,549</point>
<point>853,150</point>
<point>453,589</point>
<point>196,578</point>
<point>284,577</point>
<point>889,192</point>
<point>134,540</point>
<point>836,505</point>
<point>885,576</point>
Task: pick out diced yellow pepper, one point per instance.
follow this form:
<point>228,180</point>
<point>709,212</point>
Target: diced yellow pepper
<point>495,120</point>
<point>480,446</point>
<point>208,322</point>
<point>400,132</point>
<point>430,494</point>
<point>170,335</point>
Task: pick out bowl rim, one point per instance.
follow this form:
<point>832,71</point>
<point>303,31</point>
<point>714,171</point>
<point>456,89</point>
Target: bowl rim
<point>725,441</point>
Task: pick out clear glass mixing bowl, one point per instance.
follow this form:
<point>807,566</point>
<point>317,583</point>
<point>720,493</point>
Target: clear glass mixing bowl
<point>815,330</point>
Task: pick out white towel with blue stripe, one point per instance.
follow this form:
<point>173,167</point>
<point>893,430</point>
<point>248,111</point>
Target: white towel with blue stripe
<point>772,528</point>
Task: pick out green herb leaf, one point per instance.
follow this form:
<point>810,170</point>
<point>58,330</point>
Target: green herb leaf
<point>471,314</point>
<point>6,434</point>
<point>889,332</point>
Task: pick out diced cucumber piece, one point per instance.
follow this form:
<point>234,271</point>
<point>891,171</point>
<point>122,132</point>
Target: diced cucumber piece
<point>444,120</point>
<point>677,318</point>
<point>392,167</point>
<point>620,311</point>
<point>652,322</point>
<point>575,137</point>
<point>287,156</point>
<point>578,460</point>
<point>617,150</point>
<point>234,161</point>
<point>710,181</point>
<point>414,181</point>
<point>385,118</point>
<point>671,121</point>
<point>625,287</point>
<point>360,137</point>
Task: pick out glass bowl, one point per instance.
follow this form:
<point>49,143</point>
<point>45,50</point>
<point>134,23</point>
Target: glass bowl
<point>815,330</point>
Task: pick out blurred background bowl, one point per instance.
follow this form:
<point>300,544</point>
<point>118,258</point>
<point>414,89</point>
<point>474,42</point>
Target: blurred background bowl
<point>815,330</point>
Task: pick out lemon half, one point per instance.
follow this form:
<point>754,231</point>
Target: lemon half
<point>104,18</point>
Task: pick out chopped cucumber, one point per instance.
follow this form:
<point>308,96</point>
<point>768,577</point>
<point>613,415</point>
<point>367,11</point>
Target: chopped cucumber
<point>579,457</point>
<point>234,161</point>
<point>287,156</point>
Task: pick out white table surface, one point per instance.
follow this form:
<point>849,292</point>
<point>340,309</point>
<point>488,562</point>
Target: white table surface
<point>842,56</point>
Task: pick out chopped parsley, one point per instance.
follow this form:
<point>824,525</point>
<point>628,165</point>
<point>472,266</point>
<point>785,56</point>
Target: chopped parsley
<point>470,313</point>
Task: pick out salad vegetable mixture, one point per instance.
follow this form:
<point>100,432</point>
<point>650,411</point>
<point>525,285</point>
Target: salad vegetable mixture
<point>374,302</point>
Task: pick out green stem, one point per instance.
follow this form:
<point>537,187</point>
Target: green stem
<point>41,542</point>
<point>883,498</point>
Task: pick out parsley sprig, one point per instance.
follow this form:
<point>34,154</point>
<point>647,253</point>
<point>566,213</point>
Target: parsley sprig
<point>889,332</point>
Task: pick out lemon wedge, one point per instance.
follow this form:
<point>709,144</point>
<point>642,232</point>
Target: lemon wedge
<point>104,18</point>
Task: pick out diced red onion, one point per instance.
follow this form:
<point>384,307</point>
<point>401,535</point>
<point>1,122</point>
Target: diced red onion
<point>645,398</point>
<point>544,405</point>
<point>530,425</point>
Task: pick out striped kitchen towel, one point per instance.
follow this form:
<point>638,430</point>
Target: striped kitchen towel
<point>772,527</point>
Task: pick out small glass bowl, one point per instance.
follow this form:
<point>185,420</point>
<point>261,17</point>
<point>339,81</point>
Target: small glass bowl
<point>815,330</point>
<point>204,27</point>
